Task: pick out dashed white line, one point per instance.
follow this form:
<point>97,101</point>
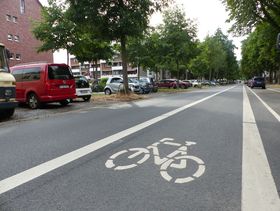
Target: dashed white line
<point>259,191</point>
<point>37,171</point>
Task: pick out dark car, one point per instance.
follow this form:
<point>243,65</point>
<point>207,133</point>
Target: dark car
<point>257,82</point>
<point>149,82</point>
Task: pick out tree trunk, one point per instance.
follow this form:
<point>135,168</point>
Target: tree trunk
<point>96,69</point>
<point>178,71</point>
<point>124,63</point>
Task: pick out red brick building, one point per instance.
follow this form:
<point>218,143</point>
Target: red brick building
<point>16,18</point>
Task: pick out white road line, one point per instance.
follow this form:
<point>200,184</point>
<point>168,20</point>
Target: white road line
<point>259,191</point>
<point>274,90</point>
<point>267,107</point>
<point>37,171</point>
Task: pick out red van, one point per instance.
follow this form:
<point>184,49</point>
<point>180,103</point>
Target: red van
<point>38,83</point>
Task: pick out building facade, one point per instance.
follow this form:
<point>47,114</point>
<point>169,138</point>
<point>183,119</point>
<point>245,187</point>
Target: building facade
<point>104,68</point>
<point>16,17</point>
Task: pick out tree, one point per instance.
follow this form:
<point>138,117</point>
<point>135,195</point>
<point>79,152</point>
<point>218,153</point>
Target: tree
<point>216,58</point>
<point>247,14</point>
<point>179,40</point>
<point>259,53</point>
<point>115,20</point>
<point>56,30</point>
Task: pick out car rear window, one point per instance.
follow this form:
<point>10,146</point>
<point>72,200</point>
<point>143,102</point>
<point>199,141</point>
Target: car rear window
<point>59,72</point>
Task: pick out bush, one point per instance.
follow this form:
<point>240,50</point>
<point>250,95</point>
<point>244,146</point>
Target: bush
<point>100,85</point>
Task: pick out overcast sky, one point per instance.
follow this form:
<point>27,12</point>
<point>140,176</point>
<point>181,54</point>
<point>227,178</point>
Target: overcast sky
<point>208,14</point>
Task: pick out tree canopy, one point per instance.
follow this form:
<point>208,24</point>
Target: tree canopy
<point>115,20</point>
<point>247,14</point>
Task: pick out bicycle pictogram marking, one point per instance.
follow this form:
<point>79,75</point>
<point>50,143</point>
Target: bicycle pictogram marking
<point>177,159</point>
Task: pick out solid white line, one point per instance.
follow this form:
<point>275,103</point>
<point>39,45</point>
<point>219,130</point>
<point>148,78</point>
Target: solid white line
<point>37,171</point>
<point>259,191</point>
<point>267,107</point>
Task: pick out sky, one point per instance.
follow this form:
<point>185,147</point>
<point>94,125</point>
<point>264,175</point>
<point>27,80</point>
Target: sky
<point>208,14</point>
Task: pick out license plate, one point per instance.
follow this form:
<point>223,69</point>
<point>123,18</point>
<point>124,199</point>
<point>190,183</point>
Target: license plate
<point>84,91</point>
<point>64,86</point>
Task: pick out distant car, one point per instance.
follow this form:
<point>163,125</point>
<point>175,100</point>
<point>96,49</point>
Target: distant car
<point>196,83</point>
<point>189,83</point>
<point>83,89</point>
<point>183,84</point>
<point>151,83</point>
<point>115,84</point>
<point>257,82</point>
<point>168,83</point>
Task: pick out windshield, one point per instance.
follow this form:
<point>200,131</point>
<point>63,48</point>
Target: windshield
<point>3,60</point>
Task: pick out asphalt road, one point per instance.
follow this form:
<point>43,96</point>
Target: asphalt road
<point>134,156</point>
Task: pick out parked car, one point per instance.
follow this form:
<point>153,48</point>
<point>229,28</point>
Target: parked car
<point>183,84</point>
<point>189,83</point>
<point>144,86</point>
<point>115,84</point>
<point>151,82</point>
<point>168,83</point>
<point>257,82</point>
<point>196,83</point>
<point>83,89</point>
<point>38,83</point>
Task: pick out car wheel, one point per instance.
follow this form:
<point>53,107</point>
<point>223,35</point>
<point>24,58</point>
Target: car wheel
<point>263,87</point>
<point>33,101</point>
<point>64,102</point>
<point>86,99</point>
<point>107,92</point>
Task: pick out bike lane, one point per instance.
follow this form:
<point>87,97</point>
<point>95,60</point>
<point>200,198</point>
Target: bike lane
<point>269,128</point>
<point>215,126</point>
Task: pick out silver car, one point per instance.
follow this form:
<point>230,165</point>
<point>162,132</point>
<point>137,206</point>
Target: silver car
<point>115,84</point>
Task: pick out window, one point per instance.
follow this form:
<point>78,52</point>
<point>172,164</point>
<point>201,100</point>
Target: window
<point>8,17</point>
<point>12,56</point>
<point>18,56</point>
<point>22,6</point>
<point>59,72</point>
<point>18,75</point>
<point>15,19</point>
<point>31,74</point>
<point>16,38</point>
<point>10,37</point>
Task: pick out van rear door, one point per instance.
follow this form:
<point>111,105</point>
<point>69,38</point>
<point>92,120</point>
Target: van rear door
<point>60,80</point>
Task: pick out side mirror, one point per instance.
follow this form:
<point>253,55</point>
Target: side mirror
<point>278,42</point>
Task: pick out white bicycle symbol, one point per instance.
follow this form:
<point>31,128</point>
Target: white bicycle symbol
<point>165,162</point>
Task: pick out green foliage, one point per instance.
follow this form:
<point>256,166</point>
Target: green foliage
<point>259,53</point>
<point>56,30</point>
<point>247,14</point>
<point>179,41</point>
<point>169,47</point>
<point>115,20</point>
<point>216,58</point>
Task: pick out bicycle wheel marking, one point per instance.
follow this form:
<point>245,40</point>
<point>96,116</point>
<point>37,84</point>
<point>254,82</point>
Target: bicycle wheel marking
<point>138,151</point>
<point>177,159</point>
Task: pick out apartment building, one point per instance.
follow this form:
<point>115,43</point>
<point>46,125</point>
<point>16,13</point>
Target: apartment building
<point>16,18</point>
<point>103,68</point>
